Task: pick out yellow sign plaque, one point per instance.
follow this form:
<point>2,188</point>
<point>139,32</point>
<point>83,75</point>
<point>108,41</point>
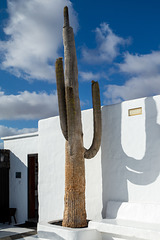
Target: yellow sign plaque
<point>135,111</point>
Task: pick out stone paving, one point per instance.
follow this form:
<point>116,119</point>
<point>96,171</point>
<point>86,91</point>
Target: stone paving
<point>8,232</point>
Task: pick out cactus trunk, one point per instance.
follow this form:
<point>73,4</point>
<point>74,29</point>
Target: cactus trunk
<point>74,212</point>
<point>70,119</point>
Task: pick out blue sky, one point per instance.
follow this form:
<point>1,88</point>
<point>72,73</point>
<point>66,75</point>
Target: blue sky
<point>117,42</point>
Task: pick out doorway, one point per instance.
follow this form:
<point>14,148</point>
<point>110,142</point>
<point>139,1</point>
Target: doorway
<point>33,187</point>
<point>4,185</point>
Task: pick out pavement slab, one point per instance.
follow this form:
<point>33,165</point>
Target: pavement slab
<point>8,232</point>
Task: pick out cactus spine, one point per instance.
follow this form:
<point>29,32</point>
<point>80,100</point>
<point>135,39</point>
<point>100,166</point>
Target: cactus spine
<point>70,120</point>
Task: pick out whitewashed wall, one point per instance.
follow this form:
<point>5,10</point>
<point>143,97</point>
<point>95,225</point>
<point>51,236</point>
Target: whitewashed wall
<point>52,170</point>
<point>131,152</point>
<point>126,167</point>
<point>20,146</point>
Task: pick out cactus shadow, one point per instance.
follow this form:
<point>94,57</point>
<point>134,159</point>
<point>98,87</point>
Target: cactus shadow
<point>123,177</point>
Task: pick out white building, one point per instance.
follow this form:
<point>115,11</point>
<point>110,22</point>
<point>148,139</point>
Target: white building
<point>126,167</point>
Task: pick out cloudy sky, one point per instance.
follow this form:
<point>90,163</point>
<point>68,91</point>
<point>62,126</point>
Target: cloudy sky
<point>118,45</point>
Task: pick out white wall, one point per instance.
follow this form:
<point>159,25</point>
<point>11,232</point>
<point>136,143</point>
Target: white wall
<point>20,146</point>
<point>126,167</point>
<point>52,170</point>
<point>131,152</point>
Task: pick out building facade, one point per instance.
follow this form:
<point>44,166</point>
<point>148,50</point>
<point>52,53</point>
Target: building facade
<point>126,167</point>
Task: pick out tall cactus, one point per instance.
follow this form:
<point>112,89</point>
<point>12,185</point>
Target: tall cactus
<point>70,120</point>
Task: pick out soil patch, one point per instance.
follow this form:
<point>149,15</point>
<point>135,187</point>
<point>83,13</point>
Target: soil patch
<point>59,223</point>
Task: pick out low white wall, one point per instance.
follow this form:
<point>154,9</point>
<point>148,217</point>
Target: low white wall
<point>20,146</point>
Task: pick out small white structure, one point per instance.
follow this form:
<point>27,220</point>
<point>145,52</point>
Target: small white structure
<point>21,147</point>
<point>126,168</point>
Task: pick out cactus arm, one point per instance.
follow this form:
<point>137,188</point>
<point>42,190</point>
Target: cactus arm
<point>61,96</point>
<point>91,152</point>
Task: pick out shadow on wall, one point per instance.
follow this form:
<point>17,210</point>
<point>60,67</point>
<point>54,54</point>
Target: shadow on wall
<point>122,175</point>
<point>18,187</point>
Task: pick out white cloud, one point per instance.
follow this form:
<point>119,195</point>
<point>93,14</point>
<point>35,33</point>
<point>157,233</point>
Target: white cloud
<point>108,45</point>
<point>89,76</point>
<point>9,131</point>
<point>135,87</point>
<point>34,32</point>
<point>141,64</point>
<point>1,145</point>
<point>144,71</point>
<point>28,106</point>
